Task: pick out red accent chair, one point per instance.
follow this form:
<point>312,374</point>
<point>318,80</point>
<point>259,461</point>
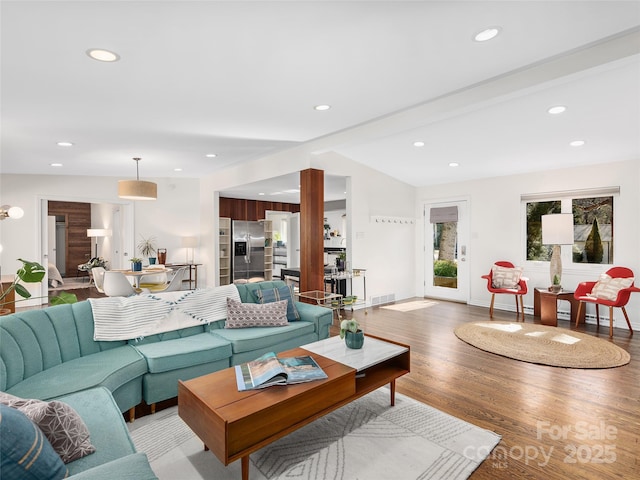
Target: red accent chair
<point>518,292</point>
<point>584,289</point>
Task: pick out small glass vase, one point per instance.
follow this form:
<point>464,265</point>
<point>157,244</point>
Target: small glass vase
<point>354,340</point>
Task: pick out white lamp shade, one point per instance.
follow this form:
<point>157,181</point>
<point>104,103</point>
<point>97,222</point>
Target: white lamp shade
<point>98,232</point>
<point>15,212</point>
<point>190,242</point>
<point>557,229</point>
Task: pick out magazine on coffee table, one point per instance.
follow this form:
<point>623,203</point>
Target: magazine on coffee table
<point>270,370</point>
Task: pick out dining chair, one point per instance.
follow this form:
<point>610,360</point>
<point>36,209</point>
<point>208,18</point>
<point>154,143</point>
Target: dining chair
<point>174,285</point>
<point>515,284</point>
<point>116,285</point>
<point>612,290</point>
<point>98,278</point>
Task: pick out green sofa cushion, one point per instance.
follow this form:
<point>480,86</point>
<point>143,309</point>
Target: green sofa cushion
<point>184,352</point>
<point>25,453</point>
<point>248,291</point>
<point>259,338</point>
<point>110,368</point>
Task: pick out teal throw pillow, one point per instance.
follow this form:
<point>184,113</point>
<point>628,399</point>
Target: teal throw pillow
<point>281,293</point>
<point>25,453</point>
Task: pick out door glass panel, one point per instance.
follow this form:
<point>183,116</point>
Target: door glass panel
<point>445,254</point>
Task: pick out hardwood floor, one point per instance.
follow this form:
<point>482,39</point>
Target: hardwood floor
<point>556,423</point>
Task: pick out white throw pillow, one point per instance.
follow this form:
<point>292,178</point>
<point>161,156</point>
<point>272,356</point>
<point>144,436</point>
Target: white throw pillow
<point>505,277</point>
<point>607,288</point>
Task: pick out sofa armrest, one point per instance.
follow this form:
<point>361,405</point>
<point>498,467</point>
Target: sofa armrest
<point>132,467</point>
<point>321,317</point>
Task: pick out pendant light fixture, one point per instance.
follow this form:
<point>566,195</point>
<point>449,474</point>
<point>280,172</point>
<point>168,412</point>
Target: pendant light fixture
<point>137,189</point>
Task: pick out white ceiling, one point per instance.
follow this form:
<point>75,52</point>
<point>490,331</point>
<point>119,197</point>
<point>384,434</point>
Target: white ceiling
<point>240,79</point>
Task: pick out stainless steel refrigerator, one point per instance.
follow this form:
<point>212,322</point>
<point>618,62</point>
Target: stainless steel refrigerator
<point>248,249</point>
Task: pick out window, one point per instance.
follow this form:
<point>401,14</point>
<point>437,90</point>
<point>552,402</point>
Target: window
<point>593,215</point>
<point>535,249</point>
<point>593,230</point>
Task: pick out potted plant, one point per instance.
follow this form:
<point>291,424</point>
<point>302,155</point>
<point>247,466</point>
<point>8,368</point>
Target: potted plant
<point>147,247</point>
<point>556,287</point>
<point>352,333</point>
<point>30,272</point>
<point>136,264</point>
<point>341,260</point>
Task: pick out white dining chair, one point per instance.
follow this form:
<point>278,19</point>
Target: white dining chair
<point>174,285</point>
<point>116,285</point>
<point>98,278</point>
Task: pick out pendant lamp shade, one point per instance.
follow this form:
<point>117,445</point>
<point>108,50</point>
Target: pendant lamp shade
<point>137,189</point>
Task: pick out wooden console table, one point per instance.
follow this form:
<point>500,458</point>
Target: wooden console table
<point>545,306</point>
<point>193,272</point>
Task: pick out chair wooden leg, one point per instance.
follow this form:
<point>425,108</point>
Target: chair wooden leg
<point>610,322</point>
<point>597,315</point>
<point>578,314</point>
<point>493,297</point>
<point>132,414</point>
<point>517,308</point>
<point>626,317</point>
<point>522,306</point>
<point>153,408</point>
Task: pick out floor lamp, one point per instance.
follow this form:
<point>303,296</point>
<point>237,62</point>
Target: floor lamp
<point>189,243</point>
<point>98,232</point>
<point>557,229</point>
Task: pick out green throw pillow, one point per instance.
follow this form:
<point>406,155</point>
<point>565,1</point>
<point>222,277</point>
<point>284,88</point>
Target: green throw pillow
<point>25,453</point>
<point>281,293</point>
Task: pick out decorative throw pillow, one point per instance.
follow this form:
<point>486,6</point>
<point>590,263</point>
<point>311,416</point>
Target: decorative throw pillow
<point>281,293</point>
<point>25,453</point>
<point>505,277</point>
<point>243,315</point>
<point>60,423</point>
<point>607,288</point>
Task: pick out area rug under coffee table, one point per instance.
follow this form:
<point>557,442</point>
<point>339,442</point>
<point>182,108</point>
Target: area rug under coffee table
<point>542,344</point>
<point>367,438</point>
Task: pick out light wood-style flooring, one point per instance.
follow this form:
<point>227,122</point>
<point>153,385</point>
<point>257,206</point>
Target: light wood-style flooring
<point>556,423</point>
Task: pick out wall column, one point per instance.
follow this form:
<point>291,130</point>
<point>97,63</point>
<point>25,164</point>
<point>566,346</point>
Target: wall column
<point>311,230</point>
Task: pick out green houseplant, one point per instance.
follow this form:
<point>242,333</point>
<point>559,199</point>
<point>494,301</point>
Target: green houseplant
<point>147,247</point>
<point>136,264</point>
<point>30,272</point>
<point>352,334</point>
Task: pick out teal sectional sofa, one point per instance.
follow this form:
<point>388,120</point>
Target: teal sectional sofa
<point>51,354</point>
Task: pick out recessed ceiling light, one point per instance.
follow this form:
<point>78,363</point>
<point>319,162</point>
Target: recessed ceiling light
<point>487,34</point>
<point>454,164</point>
<point>321,108</point>
<point>55,164</point>
<point>211,155</point>
<point>556,109</point>
<point>418,144</point>
<point>577,143</point>
<point>103,55</point>
<point>177,169</point>
<point>261,194</point>
<point>65,144</point>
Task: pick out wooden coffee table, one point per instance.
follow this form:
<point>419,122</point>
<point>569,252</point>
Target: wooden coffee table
<point>234,424</point>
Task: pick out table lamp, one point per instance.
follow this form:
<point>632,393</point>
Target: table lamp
<point>189,243</point>
<point>557,229</point>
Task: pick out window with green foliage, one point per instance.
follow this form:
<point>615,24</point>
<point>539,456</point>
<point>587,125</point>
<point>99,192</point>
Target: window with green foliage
<point>593,230</point>
<point>535,249</point>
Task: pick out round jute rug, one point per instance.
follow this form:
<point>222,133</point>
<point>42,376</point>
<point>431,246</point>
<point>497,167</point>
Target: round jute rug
<point>542,344</point>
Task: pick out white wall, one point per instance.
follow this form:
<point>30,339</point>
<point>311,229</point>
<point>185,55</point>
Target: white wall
<point>497,231</point>
<point>174,214</point>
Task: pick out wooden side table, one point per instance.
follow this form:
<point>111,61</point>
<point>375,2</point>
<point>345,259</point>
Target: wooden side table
<point>545,306</point>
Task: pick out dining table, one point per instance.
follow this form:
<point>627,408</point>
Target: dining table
<point>137,274</point>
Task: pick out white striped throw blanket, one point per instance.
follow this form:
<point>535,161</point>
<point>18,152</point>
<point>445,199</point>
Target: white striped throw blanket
<point>126,318</point>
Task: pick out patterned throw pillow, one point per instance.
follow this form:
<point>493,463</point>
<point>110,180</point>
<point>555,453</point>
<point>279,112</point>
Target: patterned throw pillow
<point>281,293</point>
<point>607,288</point>
<point>25,453</point>
<point>505,277</point>
<point>243,315</point>
<point>59,422</point>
